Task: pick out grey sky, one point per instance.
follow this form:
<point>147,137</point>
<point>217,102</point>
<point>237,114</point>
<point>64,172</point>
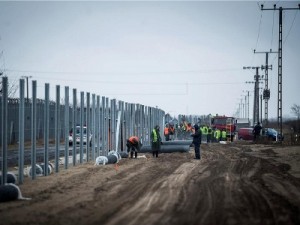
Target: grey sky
<point>184,57</point>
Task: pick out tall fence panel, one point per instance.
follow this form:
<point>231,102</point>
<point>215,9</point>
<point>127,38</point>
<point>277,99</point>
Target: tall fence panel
<point>46,124</point>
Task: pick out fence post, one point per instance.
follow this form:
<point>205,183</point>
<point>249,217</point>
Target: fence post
<point>33,131</point>
<point>57,126</point>
<point>102,128</point>
<point>67,118</point>
<point>4,130</point>
<point>93,125</point>
<point>21,131</point>
<point>81,125</point>
<point>88,123</point>
<point>74,125</point>
<point>46,128</point>
<point>98,125</point>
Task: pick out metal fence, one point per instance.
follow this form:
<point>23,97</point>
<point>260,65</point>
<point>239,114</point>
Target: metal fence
<point>34,121</point>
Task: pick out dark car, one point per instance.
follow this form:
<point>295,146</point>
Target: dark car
<point>272,134</point>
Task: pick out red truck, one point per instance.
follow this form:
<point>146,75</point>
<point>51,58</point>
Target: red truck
<point>225,122</point>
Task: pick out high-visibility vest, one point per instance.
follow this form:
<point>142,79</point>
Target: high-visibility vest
<point>223,134</point>
<point>204,130</point>
<point>166,131</point>
<point>154,135</point>
<point>217,134</point>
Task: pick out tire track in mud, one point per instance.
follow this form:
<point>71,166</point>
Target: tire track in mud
<point>113,193</point>
<point>147,196</point>
<point>82,182</point>
<point>229,186</point>
<point>154,205</point>
<point>235,193</point>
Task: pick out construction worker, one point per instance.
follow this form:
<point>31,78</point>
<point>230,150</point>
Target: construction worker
<point>171,131</point>
<point>181,131</point>
<point>189,128</point>
<point>209,135</point>
<point>155,141</point>
<point>133,146</point>
<point>197,141</point>
<point>256,131</point>
<point>217,135</point>
<point>166,132</point>
<point>204,133</point>
<point>223,135</point>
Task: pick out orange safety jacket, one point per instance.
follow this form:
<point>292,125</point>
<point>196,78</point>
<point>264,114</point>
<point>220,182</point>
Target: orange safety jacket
<point>133,139</point>
<point>189,128</point>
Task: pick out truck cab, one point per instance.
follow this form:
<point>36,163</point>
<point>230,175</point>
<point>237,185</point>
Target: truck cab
<point>225,122</point>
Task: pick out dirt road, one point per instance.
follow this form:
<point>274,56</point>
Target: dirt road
<point>233,184</point>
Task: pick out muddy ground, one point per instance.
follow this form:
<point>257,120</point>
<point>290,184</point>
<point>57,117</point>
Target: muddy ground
<point>236,183</point>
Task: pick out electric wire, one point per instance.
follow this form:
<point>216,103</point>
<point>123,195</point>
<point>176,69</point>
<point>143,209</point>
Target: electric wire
<point>272,30</point>
<point>286,37</point>
<point>257,39</point>
<point>124,73</point>
<point>259,27</point>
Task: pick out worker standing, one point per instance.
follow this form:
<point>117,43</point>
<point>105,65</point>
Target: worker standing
<point>171,131</point>
<point>166,132</point>
<point>133,146</point>
<point>223,135</point>
<point>204,133</point>
<point>197,141</point>
<point>256,131</point>
<point>217,135</point>
<point>155,141</point>
<point>209,134</point>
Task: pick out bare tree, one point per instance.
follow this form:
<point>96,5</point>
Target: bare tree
<point>11,89</point>
<point>296,111</point>
<point>12,85</point>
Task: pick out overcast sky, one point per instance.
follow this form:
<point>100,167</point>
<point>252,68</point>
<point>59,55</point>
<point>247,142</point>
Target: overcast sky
<point>183,57</point>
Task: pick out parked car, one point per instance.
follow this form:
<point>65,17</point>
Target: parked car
<point>272,134</point>
<point>77,133</point>
<point>245,133</point>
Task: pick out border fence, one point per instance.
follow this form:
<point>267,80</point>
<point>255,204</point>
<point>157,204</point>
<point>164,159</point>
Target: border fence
<point>41,122</point>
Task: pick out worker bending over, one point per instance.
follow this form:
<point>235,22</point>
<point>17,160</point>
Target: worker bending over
<point>133,146</point>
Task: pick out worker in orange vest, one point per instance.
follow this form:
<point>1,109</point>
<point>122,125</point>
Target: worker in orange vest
<point>167,132</point>
<point>133,146</point>
<point>171,132</point>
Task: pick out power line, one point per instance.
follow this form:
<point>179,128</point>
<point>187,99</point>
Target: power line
<point>291,27</point>
<point>125,73</point>
<point>258,30</point>
<point>272,30</point>
<point>279,111</point>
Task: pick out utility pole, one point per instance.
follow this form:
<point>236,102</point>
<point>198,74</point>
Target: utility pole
<point>279,110</point>
<point>256,94</point>
<point>261,120</point>
<point>266,93</point>
<point>247,106</point>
